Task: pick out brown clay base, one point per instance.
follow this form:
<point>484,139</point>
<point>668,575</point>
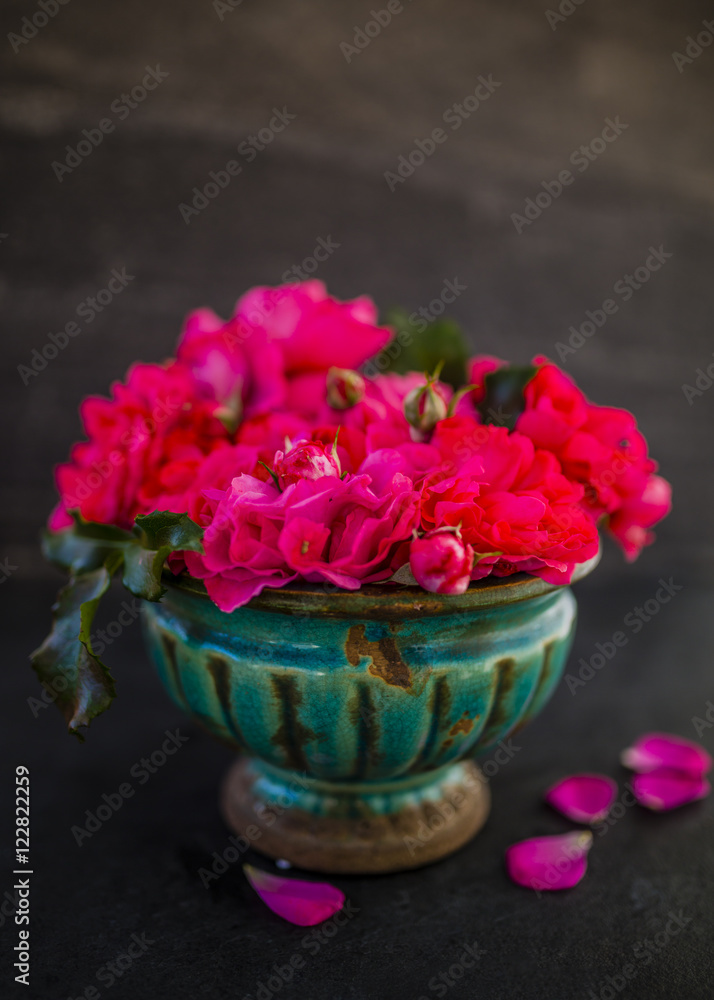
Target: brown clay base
<point>363,842</point>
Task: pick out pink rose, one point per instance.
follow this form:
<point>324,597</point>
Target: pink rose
<point>413,460</point>
<point>441,562</point>
<point>216,473</point>
<point>276,350</point>
<point>241,555</point>
<point>314,331</point>
<point>305,460</point>
<point>327,529</point>
<point>233,363</point>
<point>512,502</point>
<point>601,447</point>
<point>555,407</point>
<point>145,446</point>
<point>340,531</point>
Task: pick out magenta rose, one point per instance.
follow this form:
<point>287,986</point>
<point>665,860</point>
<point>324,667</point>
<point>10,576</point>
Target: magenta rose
<point>306,460</point>
<point>601,447</point>
<point>326,529</point>
<point>276,350</point>
<point>441,562</point>
<point>511,502</point>
<point>145,446</point>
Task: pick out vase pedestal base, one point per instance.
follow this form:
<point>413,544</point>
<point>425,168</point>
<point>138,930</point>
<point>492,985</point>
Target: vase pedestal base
<point>355,828</point>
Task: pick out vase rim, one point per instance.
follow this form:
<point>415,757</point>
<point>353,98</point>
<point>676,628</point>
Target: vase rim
<point>390,600</point>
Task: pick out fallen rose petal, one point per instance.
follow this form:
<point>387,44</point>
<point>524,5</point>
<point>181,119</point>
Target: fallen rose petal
<point>302,903</point>
<point>667,788</point>
<point>545,863</point>
<point>583,798</point>
<point>655,750</point>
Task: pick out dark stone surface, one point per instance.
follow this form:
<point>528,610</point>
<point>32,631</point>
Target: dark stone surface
<point>324,176</point>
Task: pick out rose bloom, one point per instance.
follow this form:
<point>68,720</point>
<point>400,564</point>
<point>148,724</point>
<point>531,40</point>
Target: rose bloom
<point>511,502</point>
<point>306,460</point>
<point>601,447</point>
<point>326,529</point>
<point>145,446</point>
<point>441,562</point>
<point>276,350</point>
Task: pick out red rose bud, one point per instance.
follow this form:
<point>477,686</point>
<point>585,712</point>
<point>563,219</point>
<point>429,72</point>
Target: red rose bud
<point>306,460</point>
<point>424,407</point>
<point>345,388</point>
<point>441,563</point>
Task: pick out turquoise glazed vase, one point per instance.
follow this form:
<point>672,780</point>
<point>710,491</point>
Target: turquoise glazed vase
<point>357,715</point>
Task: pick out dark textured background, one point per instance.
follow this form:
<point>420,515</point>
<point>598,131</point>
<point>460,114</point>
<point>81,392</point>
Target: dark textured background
<point>324,176</point>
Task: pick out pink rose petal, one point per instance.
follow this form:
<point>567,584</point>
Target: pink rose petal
<point>655,750</point>
<point>302,903</point>
<point>583,798</point>
<point>666,788</point>
<point>557,862</point>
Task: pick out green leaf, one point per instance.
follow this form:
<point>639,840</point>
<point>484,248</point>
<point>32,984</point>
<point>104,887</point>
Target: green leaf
<point>72,553</point>
<point>142,572</point>
<point>158,534</point>
<point>101,532</point>
<point>421,350</point>
<point>83,547</point>
<point>503,401</point>
<point>65,663</point>
<point>162,529</point>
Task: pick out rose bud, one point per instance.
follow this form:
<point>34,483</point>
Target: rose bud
<point>306,460</point>
<point>441,562</point>
<point>345,388</point>
<point>424,407</point>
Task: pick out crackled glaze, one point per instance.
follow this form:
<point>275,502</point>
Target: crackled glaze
<point>355,708</point>
<point>363,697</point>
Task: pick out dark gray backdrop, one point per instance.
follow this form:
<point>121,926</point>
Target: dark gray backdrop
<point>323,176</point>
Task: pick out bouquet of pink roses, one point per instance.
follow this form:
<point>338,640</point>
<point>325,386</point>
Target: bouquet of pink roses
<point>292,443</point>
